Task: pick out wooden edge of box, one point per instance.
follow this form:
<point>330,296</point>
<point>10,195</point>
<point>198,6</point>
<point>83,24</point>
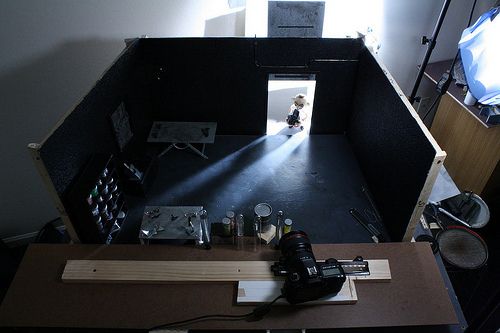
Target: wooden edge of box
<point>34,150</point>
<point>424,195</point>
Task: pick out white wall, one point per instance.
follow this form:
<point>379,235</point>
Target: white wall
<point>51,53</point>
<point>398,23</point>
<point>404,22</point>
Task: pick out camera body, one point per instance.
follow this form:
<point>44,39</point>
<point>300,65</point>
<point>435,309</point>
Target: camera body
<point>293,119</point>
<point>306,279</point>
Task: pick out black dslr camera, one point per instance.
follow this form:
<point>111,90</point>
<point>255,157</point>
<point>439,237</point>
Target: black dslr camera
<point>293,119</point>
<point>306,279</point>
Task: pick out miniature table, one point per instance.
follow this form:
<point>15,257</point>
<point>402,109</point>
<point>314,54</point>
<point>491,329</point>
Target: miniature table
<point>183,133</point>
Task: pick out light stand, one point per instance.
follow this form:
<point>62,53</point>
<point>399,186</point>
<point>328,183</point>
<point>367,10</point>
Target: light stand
<point>431,43</point>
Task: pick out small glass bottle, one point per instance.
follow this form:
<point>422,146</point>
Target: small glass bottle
<point>257,225</point>
<point>230,215</point>
<point>279,226</point>
<point>206,231</point>
<point>240,225</point>
<point>226,227</point>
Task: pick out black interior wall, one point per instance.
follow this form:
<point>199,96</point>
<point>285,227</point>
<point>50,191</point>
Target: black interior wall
<point>201,79</point>
<point>225,79</point>
<point>394,154</point>
<point>87,130</point>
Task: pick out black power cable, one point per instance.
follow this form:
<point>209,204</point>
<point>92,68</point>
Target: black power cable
<point>258,313</point>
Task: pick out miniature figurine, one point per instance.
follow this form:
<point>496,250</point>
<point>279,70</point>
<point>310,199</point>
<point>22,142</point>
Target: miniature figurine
<point>297,113</point>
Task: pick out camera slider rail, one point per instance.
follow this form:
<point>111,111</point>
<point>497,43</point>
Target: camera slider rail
<point>357,267</point>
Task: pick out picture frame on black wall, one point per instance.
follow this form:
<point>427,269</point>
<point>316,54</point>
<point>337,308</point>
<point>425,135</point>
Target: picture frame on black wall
<point>121,126</point>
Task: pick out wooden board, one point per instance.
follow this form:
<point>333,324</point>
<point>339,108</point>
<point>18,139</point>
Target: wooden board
<point>34,149</point>
<point>473,149</point>
<point>416,294</point>
<point>138,271</point>
<point>255,292</point>
<point>97,271</point>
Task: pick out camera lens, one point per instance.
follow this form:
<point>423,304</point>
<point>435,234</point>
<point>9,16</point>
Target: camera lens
<point>293,242</point>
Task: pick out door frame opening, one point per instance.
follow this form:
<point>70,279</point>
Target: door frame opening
<point>282,88</point>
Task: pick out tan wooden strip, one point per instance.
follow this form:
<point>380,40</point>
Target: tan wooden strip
<point>133,271</point>
<point>165,271</point>
<point>34,149</point>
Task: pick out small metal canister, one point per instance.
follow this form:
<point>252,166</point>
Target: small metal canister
<point>264,211</point>
<point>94,209</point>
<point>226,226</point>
<point>98,222</point>
<point>288,226</point>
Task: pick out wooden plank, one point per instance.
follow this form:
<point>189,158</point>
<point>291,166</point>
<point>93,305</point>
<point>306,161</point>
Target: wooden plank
<point>424,195</point>
<point>96,271</point>
<point>135,271</point>
<point>472,148</point>
<point>34,149</point>
<point>415,296</point>
<point>255,292</point>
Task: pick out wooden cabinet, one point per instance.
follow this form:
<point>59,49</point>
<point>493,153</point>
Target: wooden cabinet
<point>473,149</point>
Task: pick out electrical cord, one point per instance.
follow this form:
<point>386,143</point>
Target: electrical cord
<point>258,313</point>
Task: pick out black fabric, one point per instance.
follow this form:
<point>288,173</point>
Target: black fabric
<point>391,148</point>
<point>87,130</point>
<point>315,180</point>
<point>225,79</point>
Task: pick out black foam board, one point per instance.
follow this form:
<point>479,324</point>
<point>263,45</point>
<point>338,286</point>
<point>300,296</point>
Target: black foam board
<point>392,150</point>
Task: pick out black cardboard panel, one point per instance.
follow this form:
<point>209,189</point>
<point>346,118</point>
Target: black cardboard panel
<point>225,79</point>
<point>86,130</point>
<point>333,97</point>
<point>393,152</point>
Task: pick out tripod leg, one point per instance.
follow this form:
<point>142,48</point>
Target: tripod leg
<point>197,151</point>
<point>166,150</point>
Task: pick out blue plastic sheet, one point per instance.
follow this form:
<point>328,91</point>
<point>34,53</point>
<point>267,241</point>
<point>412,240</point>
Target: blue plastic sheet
<point>480,52</point>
